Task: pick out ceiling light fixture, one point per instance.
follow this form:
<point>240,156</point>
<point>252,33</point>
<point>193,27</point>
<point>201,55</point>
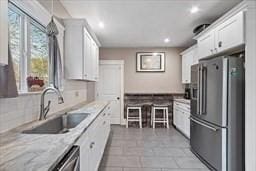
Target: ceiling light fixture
<point>101,24</point>
<point>166,40</point>
<point>194,9</point>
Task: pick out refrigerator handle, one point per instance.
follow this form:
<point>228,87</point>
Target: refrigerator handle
<point>204,125</point>
<point>198,91</point>
<point>204,86</point>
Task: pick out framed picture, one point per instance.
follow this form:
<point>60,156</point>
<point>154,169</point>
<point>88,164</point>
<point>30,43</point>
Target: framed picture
<point>150,61</point>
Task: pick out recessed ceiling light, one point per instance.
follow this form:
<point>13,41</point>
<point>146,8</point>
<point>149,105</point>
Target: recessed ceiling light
<point>194,9</point>
<point>101,24</point>
<point>166,40</point>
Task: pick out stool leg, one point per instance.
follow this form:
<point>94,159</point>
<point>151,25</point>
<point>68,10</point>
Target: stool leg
<point>151,117</point>
<point>154,116</point>
<point>167,117</point>
<point>164,114</point>
<point>140,118</point>
<point>127,117</point>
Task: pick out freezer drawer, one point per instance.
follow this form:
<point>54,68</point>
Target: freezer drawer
<point>209,142</point>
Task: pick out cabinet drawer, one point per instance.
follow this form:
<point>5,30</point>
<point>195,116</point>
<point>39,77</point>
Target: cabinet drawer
<point>182,106</point>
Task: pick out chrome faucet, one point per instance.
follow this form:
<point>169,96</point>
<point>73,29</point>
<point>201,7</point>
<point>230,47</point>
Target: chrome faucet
<point>45,110</point>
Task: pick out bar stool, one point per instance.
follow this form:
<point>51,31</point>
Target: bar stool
<point>165,117</point>
<point>129,118</point>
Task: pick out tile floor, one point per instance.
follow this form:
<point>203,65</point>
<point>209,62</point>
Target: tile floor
<point>135,149</point>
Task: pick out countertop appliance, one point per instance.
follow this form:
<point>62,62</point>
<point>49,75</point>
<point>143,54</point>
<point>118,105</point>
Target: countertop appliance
<point>187,93</point>
<point>70,162</point>
<point>217,112</point>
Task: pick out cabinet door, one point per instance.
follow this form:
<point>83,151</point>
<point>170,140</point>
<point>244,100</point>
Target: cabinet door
<point>174,114</point>
<point>184,69</point>
<point>84,144</point>
<point>206,45</point>
<point>96,70</point>
<point>3,32</point>
<point>88,53</point>
<point>230,34</point>
<point>187,61</point>
<point>95,60</point>
<point>195,57</point>
<point>179,119</point>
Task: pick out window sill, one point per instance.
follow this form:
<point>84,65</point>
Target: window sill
<point>24,93</point>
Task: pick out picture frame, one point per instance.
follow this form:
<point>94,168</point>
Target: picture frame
<point>150,61</point>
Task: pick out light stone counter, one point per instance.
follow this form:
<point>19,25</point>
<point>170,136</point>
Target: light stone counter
<point>41,152</point>
<point>181,100</point>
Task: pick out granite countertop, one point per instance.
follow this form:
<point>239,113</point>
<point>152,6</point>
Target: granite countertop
<point>182,100</point>
<point>41,152</point>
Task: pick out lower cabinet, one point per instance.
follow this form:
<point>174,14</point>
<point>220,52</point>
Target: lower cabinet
<point>181,114</point>
<point>92,143</point>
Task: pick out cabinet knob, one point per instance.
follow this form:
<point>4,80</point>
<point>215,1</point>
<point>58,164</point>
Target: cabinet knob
<point>118,98</point>
<point>92,144</point>
<point>220,44</point>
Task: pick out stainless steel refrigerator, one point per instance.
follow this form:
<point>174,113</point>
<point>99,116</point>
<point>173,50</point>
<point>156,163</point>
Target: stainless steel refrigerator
<point>217,112</point>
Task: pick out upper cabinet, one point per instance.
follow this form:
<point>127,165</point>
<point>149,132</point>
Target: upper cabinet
<point>189,58</point>
<point>224,36</point>
<point>3,32</point>
<point>231,33</point>
<point>206,45</point>
<point>81,51</point>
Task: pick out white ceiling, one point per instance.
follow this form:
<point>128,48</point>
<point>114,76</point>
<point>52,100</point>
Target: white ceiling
<point>146,23</point>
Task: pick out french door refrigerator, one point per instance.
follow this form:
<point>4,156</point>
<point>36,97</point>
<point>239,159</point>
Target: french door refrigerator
<point>217,112</point>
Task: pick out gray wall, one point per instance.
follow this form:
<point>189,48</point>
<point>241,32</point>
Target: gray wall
<point>135,82</point>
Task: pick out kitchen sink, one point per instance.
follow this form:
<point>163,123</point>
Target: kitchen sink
<point>58,125</point>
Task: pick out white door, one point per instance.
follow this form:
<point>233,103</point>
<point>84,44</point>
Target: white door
<point>109,88</point>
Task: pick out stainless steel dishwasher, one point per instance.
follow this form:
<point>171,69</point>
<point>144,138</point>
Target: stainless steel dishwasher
<point>70,162</point>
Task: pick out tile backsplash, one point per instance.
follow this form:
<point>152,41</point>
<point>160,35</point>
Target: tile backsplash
<point>25,108</point>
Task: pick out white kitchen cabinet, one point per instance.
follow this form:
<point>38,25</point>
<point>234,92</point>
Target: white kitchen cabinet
<point>85,144</point>
<point>81,51</point>
<point>188,59</point>
<point>206,45</point>
<point>93,141</point>
<point>181,114</point>
<point>3,32</point>
<point>230,33</point>
<point>224,36</point>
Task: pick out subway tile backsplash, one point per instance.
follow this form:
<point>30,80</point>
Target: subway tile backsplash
<point>25,108</point>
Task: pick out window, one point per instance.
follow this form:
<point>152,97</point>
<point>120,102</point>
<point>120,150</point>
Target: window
<point>29,48</point>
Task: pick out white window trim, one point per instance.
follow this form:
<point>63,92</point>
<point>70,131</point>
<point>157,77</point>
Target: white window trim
<point>34,9</point>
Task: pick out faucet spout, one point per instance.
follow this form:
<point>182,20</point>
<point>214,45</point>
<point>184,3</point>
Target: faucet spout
<point>44,110</point>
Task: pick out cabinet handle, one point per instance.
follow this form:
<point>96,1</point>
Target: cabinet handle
<point>104,123</point>
<point>220,44</point>
<point>211,50</point>
<point>92,144</point>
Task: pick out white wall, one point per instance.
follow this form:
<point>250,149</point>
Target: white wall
<point>17,111</point>
<point>141,82</point>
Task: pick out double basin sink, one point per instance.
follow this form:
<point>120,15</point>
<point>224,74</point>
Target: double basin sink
<point>59,125</point>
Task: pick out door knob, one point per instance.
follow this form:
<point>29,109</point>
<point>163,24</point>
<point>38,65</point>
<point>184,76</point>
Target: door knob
<point>118,98</point>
